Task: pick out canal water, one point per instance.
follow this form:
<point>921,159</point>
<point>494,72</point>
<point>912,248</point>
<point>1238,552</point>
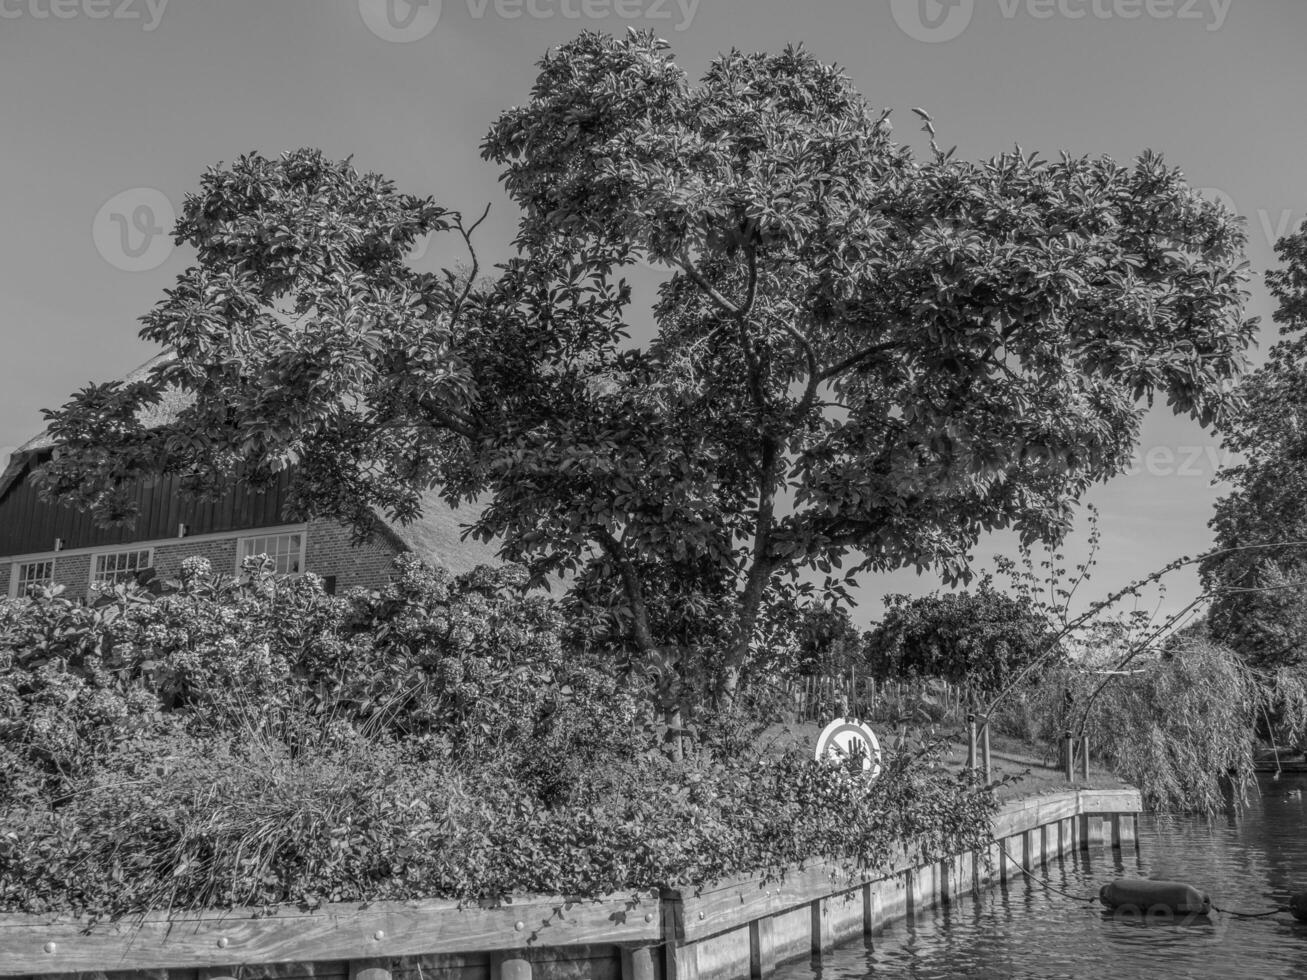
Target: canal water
<point>1250,861</point>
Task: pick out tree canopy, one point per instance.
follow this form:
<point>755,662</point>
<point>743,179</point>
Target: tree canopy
<point>864,358</point>
<point>981,639</point>
<point>1258,572</point>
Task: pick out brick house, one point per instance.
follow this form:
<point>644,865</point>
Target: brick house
<point>42,543</point>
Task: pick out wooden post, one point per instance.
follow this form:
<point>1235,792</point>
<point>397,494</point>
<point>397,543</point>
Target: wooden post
<point>868,909</point>
<point>762,949</point>
<point>637,962</point>
<point>822,939</point>
<point>971,743</point>
<point>1068,756</point>
<point>503,966</point>
<point>374,969</point>
<point>1084,757</point>
<point>681,962</point>
<point>984,750</point>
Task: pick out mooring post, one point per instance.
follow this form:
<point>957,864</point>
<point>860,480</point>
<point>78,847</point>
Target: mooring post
<point>1068,756</point>
<point>971,743</point>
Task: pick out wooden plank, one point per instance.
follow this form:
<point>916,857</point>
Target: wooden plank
<point>338,932</point>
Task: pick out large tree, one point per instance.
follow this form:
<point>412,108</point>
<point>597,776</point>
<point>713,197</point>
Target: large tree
<point>1258,573</point>
<point>862,358</point>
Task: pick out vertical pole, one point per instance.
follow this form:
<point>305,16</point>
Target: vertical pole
<point>762,948</point>
<point>637,962</point>
<point>971,743</point>
<point>1068,756</point>
<point>984,750</point>
<point>509,966</point>
<point>1084,758</point>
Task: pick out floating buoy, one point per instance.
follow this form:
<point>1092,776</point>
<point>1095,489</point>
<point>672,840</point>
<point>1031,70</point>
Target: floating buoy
<point>1298,906</point>
<point>1156,897</point>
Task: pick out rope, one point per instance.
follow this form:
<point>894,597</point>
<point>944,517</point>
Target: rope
<point>1251,915</point>
<point>1039,881</point>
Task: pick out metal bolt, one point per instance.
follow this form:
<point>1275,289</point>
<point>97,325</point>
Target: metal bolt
<point>378,935</point>
<point>519,926</point>
<point>701,915</point>
<point>222,943</point>
<point>648,917</point>
<point>50,947</point>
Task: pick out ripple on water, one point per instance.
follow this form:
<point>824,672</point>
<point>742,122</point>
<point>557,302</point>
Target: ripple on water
<point>1250,861</point>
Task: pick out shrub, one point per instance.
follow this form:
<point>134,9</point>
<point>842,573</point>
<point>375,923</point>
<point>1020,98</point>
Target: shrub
<point>259,742</point>
<point>188,822</point>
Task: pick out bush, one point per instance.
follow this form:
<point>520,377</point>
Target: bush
<point>260,742</point>
<point>184,822</point>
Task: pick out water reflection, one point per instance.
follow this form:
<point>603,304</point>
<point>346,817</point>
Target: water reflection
<point>1251,860</point>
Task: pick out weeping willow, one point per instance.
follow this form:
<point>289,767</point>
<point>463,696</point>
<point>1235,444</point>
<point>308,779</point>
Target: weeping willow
<point>1182,726</point>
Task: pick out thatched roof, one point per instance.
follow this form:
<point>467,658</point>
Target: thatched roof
<point>436,536</point>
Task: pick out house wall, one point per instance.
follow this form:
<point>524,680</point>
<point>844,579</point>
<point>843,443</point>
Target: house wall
<point>328,552</point>
<point>368,565</point>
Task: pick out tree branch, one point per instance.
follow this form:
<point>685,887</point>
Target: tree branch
<point>848,362</point>
<point>631,585</point>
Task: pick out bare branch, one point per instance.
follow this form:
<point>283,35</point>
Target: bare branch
<point>466,234</point>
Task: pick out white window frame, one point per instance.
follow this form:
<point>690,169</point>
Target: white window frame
<point>241,554</point>
<point>17,589</point>
<point>96,581</point>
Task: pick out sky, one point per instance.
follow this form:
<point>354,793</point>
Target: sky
<point>114,108</point>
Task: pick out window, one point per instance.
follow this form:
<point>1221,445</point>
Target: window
<point>32,573</point>
<point>286,551</point>
<point>118,566</point>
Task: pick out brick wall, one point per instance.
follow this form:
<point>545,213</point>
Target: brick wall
<point>221,554</point>
<point>329,552</point>
<point>74,572</point>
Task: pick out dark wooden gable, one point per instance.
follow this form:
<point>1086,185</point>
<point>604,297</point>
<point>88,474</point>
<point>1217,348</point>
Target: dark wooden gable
<point>28,524</point>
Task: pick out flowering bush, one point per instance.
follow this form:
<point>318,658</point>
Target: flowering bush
<point>261,742</point>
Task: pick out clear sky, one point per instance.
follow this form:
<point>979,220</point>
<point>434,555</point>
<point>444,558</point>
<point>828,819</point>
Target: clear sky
<point>113,108</point>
